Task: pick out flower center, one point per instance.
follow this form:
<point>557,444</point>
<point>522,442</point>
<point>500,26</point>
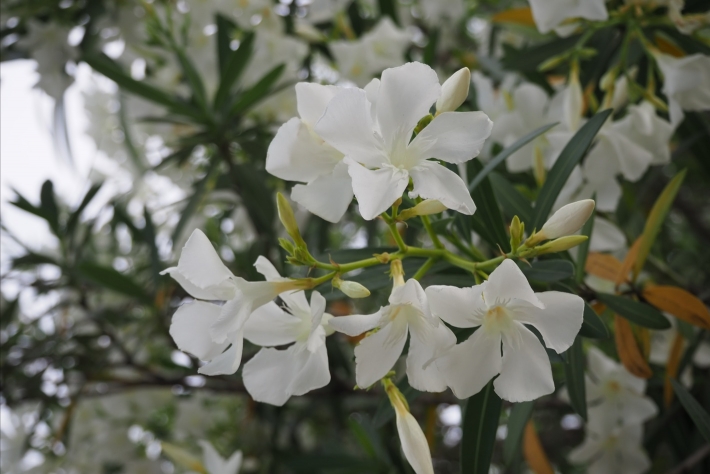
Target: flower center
<point>612,388</point>
<point>497,319</point>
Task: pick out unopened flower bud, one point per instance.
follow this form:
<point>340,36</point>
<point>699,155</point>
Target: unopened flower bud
<point>424,208</point>
<point>351,288</point>
<point>516,233</point>
<point>566,221</point>
<point>454,91</point>
<point>288,220</point>
<point>397,272</point>
<point>562,244</point>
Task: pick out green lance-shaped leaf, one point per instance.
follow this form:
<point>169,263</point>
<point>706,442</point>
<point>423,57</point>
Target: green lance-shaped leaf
<point>697,413</point>
<point>113,280</point>
<point>548,270</point>
<point>197,86</point>
<point>480,423</point>
<point>48,204</point>
<point>258,91</point>
<point>487,221</point>
<point>635,311</point>
<point>76,214</point>
<point>592,326</point>
<point>235,65</point>
<point>561,170</point>
<point>519,416</point>
<point>574,375</point>
<point>655,220</point>
<point>503,155</point>
<point>514,203</point>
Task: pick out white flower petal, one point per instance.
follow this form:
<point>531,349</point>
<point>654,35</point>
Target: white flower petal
<point>456,306</point>
<point>200,264</point>
<point>264,266</point>
<point>469,366</point>
<point>633,158</point>
<point>228,362</point>
<point>406,94</point>
<point>190,329</point>
<point>271,326</point>
<point>454,137</point>
<point>297,154</point>
<point>560,320</point>
<point>508,282</point>
<point>356,324</point>
<point>347,126</point>
<point>526,373</point>
<point>215,464</point>
<point>327,196</point>
<point>422,372</point>
<point>434,181</point>
<point>269,374</point>
<point>377,354</point>
<point>589,449</point>
<point>376,190</point>
<point>222,291</point>
<point>313,371</point>
<point>313,99</point>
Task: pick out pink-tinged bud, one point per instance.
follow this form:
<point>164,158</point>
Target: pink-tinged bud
<point>454,91</point>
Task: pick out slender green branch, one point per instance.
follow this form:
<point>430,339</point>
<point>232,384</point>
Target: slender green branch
<point>424,268</point>
<point>430,230</point>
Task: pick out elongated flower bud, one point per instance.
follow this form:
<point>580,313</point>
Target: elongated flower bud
<point>351,288</point>
<point>561,244</point>
<point>454,91</point>
<point>411,436</point>
<point>424,208</point>
<point>566,221</point>
<point>289,220</point>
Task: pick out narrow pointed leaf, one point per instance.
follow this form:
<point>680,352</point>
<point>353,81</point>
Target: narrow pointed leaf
<point>583,248</point>
<point>635,311</point>
<point>574,375</point>
<point>236,63</point>
<point>592,326</point>
<point>697,413</point>
<point>258,91</point>
<point>569,158</point>
<point>487,221</point>
<point>511,200</point>
<point>113,280</point>
<point>548,270</point>
<point>519,416</point>
<point>480,423</point>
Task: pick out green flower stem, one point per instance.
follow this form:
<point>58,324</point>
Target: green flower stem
<point>392,224</point>
<point>424,268</point>
<point>432,235</point>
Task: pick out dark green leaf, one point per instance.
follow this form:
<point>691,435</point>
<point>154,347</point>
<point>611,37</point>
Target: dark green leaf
<point>114,280</point>
<point>514,203</point>
<point>548,270</point>
<point>480,423</point>
<point>149,239</point>
<point>487,221</point>
<point>236,63</point>
<point>503,155</point>
<point>563,167</point>
<point>574,375</point>
<point>48,204</point>
<point>389,8</point>
<point>322,463</point>
<point>635,311</point>
<point>519,416</point>
<point>527,59</point>
<point>193,78</point>
<point>258,91</point>
<point>74,217</point>
<point>697,413</point>
<point>225,27</point>
<point>32,259</point>
<point>27,206</point>
<point>194,202</point>
<point>592,326</point>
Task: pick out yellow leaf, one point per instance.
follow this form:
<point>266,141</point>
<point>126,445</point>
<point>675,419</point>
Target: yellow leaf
<point>668,47</point>
<point>603,265</point>
<point>534,454</point>
<point>655,220</point>
<point>628,262</point>
<point>521,16</point>
<point>672,368</point>
<point>678,302</point>
<point>628,349</point>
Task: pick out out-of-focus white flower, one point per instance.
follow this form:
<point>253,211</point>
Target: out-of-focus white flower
<point>550,15</point>
<point>320,11</point>
<point>380,156</point>
<point>206,329</point>
<point>609,383</point>
<point>606,237</point>
<point>380,48</point>
<point>411,437</point>
<point>615,451</point>
<point>297,153</point>
<point>47,43</point>
<point>407,312</point>
<point>500,307</point>
<point>686,83</point>
<point>272,375</point>
<point>454,91</point>
<point>437,12</point>
<point>216,464</point>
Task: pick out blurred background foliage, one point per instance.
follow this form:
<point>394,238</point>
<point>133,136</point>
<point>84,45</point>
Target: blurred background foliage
<point>92,381</point>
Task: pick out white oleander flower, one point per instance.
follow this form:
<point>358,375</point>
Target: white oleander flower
<point>611,451</point>
<point>411,437</point>
<point>320,11</point>
<point>297,153</point>
<point>610,385</point>
<point>686,83</point>
<point>500,308</point>
<point>216,464</point>
<point>380,156</point>
<point>206,329</point>
<point>551,14</point>
<point>407,312</point>
<point>272,375</point>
